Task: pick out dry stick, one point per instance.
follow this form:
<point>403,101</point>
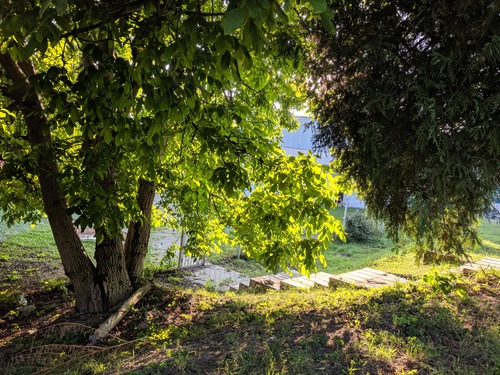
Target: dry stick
<point>114,319</point>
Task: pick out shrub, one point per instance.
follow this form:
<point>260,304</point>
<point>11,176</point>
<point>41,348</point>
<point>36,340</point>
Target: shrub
<point>358,228</point>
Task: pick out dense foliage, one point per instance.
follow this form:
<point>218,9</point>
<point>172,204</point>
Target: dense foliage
<point>106,103</point>
<point>407,95</point>
<point>359,228</point>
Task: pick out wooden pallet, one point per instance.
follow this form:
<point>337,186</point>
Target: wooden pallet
<point>366,278</point>
<point>319,279</point>
<point>297,282</point>
<point>272,282</point>
<point>482,265</point>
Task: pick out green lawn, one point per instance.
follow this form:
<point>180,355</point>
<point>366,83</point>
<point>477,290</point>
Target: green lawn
<point>381,254</point>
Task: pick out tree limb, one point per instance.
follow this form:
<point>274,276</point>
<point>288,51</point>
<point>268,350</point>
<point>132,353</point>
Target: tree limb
<point>116,318</point>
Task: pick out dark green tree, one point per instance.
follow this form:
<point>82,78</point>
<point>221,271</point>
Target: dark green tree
<point>407,95</point>
<point>105,103</point>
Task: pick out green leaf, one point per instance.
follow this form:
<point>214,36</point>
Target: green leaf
<point>326,21</point>
<point>265,4</point>
<point>255,10</point>
<point>232,20</point>
<point>63,23</point>
<point>14,24</point>
<point>29,49</point>
<point>252,36</point>
<point>60,5</point>
<point>108,137</point>
<point>225,60</point>
<point>44,7</point>
<point>318,6</point>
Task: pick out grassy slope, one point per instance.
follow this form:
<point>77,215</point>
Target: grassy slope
<point>408,330</point>
<point>412,330</point>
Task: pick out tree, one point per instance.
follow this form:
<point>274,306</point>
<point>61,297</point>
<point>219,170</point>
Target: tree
<point>407,96</point>
<point>106,103</point>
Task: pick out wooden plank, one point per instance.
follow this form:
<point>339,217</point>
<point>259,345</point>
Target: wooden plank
<point>282,276</point>
<point>490,262</point>
<point>372,271</point>
<point>297,282</point>
<point>373,283</point>
<point>386,276</point>
<point>390,279</point>
<point>367,274</point>
<point>321,279</point>
<point>493,260</point>
<point>353,276</point>
<point>117,317</point>
<point>367,278</point>
<point>338,281</point>
<point>323,275</point>
<point>265,282</point>
<point>376,274</point>
<point>481,265</point>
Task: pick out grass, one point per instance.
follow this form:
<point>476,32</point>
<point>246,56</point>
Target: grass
<point>380,253</point>
<point>414,328</point>
<point>410,329</point>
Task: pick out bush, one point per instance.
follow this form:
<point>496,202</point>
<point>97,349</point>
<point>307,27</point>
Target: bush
<point>358,228</point>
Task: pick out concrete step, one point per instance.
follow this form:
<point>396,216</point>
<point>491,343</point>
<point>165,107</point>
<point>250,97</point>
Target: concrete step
<point>301,282</point>
<point>242,286</point>
<point>234,288</point>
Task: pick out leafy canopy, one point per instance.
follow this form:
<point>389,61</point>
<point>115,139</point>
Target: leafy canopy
<point>407,96</point>
<point>191,95</point>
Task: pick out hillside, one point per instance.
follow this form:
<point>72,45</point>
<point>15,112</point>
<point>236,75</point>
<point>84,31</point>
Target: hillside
<point>411,329</point>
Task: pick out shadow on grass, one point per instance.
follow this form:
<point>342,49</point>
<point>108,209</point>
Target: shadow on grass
<point>408,330</point>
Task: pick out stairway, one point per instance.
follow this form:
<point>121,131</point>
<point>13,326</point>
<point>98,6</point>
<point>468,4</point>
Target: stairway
<point>363,278</point>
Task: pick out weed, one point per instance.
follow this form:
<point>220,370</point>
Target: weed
<point>210,286</point>
<point>14,276</point>
<point>445,283</point>
<point>359,228</point>
<point>9,298</point>
<point>56,285</point>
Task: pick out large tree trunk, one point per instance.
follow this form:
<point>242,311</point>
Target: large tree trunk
<point>95,289</point>
<point>136,244</point>
<point>112,271</point>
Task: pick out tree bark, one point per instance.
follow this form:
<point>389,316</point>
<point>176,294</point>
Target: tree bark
<point>77,265</point>
<point>136,244</point>
<point>112,272</point>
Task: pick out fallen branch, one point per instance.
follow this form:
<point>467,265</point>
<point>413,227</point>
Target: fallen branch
<point>114,319</point>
